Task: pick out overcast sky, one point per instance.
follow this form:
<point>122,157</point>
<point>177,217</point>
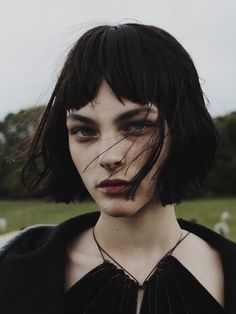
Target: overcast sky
<point>35,36</point>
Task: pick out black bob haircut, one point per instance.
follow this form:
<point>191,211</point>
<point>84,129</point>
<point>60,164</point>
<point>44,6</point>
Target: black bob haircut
<point>143,64</point>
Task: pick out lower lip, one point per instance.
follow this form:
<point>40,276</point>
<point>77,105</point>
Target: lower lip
<point>114,189</point>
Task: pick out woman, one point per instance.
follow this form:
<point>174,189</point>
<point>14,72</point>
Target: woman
<point>127,125</point>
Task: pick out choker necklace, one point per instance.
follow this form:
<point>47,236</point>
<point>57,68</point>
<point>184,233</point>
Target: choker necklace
<point>102,251</point>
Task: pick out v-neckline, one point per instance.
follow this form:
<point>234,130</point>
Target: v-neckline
<point>169,260</point>
<point>177,263</point>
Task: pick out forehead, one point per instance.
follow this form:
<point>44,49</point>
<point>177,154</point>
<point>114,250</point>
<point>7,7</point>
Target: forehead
<point>106,104</point>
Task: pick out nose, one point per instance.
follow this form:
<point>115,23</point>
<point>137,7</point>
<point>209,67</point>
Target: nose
<point>112,158</point>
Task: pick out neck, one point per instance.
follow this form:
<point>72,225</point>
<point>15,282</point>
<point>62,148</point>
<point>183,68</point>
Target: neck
<point>152,231</point>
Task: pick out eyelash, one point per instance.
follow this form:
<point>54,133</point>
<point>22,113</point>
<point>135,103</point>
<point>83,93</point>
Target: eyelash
<point>145,128</point>
<point>74,131</point>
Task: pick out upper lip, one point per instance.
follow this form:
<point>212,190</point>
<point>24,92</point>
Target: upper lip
<point>113,182</point>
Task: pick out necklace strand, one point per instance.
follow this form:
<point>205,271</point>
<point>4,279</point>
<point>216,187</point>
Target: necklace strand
<point>153,269</point>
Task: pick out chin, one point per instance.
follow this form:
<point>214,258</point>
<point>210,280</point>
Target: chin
<point>119,212</point>
<point>121,208</point>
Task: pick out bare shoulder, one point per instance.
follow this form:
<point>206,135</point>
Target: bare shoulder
<point>82,256</point>
<point>204,262</point>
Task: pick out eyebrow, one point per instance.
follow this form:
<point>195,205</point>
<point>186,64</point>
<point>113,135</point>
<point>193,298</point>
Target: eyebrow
<point>123,116</point>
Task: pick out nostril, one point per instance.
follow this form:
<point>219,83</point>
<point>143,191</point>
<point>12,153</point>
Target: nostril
<point>111,162</point>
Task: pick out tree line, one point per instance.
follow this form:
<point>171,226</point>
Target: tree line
<point>17,129</point>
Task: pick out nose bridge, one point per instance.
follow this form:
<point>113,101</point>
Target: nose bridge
<point>112,149</point>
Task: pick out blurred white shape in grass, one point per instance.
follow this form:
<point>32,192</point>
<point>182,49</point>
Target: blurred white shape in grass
<point>3,224</point>
<point>222,226</point>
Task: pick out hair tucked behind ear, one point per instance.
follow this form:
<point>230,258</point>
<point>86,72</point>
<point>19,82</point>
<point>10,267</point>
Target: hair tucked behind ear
<point>143,64</point>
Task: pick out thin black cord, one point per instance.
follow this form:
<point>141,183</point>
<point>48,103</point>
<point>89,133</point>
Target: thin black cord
<point>154,268</point>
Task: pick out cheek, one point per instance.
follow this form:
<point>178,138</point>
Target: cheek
<point>84,164</point>
<point>76,155</point>
<point>72,149</point>
<point>139,152</point>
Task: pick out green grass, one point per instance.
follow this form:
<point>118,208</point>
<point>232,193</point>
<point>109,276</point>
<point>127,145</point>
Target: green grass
<point>208,211</point>
<point>21,214</point>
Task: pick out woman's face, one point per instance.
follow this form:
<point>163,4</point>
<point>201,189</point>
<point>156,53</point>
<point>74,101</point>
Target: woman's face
<point>110,140</point>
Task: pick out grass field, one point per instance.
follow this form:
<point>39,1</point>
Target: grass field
<point>20,214</point>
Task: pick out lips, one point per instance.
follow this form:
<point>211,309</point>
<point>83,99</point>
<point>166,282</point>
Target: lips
<point>113,186</point>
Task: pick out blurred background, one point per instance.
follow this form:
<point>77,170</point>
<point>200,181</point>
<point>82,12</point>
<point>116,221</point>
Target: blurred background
<point>34,40</point>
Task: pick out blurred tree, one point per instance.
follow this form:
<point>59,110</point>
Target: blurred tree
<point>223,178</point>
<point>15,133</point>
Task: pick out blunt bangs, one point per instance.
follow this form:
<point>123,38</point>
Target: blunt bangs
<point>143,64</point>
<point>139,63</point>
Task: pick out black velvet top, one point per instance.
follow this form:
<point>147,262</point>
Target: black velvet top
<point>171,289</point>
<point>32,277</point>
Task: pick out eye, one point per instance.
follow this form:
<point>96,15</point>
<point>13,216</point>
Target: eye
<point>83,133</point>
<point>138,128</point>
